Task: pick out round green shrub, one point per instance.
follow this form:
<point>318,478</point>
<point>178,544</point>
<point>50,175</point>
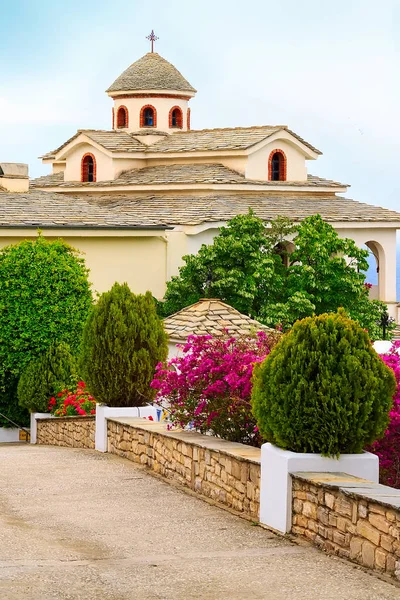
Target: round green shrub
<point>45,298</point>
<point>44,376</point>
<point>123,341</point>
<point>323,388</point>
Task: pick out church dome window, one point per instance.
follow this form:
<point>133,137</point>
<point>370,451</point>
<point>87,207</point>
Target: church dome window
<point>277,166</point>
<point>148,116</point>
<point>176,118</point>
<point>122,117</point>
<point>88,168</point>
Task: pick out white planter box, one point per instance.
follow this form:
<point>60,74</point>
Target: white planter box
<point>9,434</point>
<point>34,418</point>
<point>108,412</point>
<point>276,482</point>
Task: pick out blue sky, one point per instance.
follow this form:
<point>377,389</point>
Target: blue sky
<point>329,70</point>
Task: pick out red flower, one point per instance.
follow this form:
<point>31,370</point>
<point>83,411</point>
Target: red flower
<point>59,394</point>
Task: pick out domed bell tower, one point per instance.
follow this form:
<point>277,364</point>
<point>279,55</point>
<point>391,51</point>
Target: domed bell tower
<point>151,96</point>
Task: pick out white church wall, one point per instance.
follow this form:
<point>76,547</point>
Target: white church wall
<point>257,162</point>
<point>104,163</point>
<point>162,106</point>
<point>138,260</point>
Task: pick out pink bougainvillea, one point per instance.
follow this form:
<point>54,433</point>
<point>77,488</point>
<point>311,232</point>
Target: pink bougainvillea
<point>388,448</point>
<point>208,387</point>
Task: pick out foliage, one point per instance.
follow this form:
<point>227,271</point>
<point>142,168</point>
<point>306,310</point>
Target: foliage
<point>208,386</point>
<point>8,405</point>
<point>46,375</point>
<point>388,448</point>
<point>123,340</point>
<point>248,266</point>
<point>44,298</point>
<point>240,267</point>
<point>323,388</point>
<point>71,404</point>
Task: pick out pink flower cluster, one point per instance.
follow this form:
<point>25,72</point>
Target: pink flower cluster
<point>68,404</point>
<point>208,387</point>
<point>388,448</point>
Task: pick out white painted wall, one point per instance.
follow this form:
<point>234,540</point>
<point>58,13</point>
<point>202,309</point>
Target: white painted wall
<point>257,162</point>
<point>162,106</point>
<point>104,164</point>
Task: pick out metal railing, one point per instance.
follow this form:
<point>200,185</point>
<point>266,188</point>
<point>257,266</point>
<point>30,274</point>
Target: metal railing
<point>27,432</point>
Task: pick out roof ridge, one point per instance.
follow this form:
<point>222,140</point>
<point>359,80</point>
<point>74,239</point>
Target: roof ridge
<point>231,129</point>
<point>200,301</point>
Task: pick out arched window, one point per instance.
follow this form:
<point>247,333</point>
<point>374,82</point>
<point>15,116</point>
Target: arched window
<point>122,117</point>
<point>176,117</point>
<point>277,166</point>
<point>188,119</point>
<point>88,168</point>
<point>148,116</point>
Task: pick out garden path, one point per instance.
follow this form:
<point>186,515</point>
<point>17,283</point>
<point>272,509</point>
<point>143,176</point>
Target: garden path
<point>77,524</point>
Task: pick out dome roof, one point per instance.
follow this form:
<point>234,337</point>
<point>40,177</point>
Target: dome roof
<point>151,72</point>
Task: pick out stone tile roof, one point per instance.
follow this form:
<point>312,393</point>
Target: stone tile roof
<point>210,316</point>
<point>45,209</point>
<point>202,140</point>
<point>237,138</point>
<point>182,174</point>
<point>115,141</point>
<point>151,72</point>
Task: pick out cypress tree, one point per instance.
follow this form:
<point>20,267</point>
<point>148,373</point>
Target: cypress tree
<point>323,388</point>
<point>46,375</point>
<point>123,340</point>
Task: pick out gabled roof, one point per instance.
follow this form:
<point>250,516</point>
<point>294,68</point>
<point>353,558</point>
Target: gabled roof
<point>114,141</point>
<point>202,140</point>
<point>181,174</point>
<point>236,138</point>
<point>151,72</point>
<point>210,316</point>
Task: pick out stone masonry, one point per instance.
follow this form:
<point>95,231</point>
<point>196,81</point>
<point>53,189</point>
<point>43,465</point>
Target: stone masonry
<point>75,432</point>
<point>226,472</point>
<point>349,523</point>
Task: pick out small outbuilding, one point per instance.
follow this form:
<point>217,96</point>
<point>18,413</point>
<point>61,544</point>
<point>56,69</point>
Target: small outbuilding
<point>208,316</point>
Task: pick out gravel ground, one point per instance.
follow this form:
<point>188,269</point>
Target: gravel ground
<point>77,524</point>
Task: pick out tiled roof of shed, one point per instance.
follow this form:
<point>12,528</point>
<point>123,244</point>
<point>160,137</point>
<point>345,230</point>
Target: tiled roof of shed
<point>180,174</point>
<point>210,316</point>
<point>151,72</point>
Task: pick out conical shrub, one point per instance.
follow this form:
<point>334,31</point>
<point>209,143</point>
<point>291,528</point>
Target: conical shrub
<point>123,340</point>
<point>323,388</point>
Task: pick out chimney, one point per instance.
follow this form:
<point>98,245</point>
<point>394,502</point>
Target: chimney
<point>14,177</point>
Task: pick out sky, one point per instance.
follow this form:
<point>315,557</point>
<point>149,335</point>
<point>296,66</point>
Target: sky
<point>328,70</point>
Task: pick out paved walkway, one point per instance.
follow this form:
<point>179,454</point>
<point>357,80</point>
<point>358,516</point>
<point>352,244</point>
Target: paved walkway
<point>77,524</point>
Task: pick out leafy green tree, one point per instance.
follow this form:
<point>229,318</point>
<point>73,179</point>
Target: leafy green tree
<point>239,267</point>
<point>249,267</point>
<point>123,341</point>
<point>44,376</point>
<point>44,298</point>
<point>323,388</point>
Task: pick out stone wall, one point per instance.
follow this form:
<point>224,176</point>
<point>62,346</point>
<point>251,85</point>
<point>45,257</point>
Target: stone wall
<point>355,524</point>
<point>75,432</point>
<point>226,472</point>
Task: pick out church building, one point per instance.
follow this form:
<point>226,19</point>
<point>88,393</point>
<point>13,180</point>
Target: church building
<point>137,197</point>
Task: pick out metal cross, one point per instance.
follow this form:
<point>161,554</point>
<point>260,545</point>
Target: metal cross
<point>152,37</point>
